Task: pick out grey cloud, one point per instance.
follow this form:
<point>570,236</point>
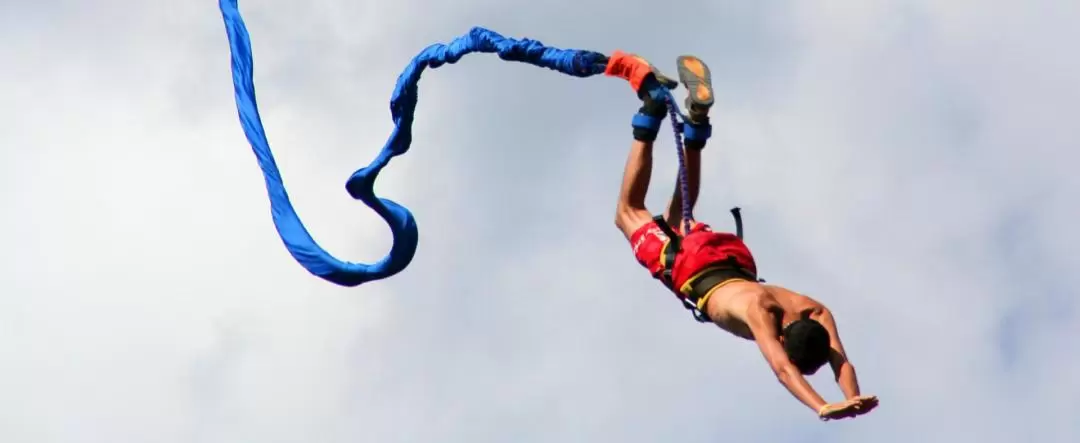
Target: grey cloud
<point>905,162</point>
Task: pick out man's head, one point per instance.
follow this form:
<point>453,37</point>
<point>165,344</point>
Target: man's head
<point>807,345</point>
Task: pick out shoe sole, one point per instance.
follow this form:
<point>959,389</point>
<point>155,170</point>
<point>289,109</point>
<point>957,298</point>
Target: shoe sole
<point>695,74</point>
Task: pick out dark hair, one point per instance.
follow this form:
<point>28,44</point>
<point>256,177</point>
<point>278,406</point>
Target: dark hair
<point>807,345</point>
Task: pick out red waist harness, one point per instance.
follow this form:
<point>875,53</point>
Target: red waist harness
<point>693,264</point>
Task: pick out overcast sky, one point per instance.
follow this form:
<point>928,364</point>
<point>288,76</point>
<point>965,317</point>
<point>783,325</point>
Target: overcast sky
<point>909,163</point>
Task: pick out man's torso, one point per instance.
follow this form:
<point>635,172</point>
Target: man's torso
<point>729,305</point>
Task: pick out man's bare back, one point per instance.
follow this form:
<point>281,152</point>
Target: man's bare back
<point>714,273</point>
<point>729,305</point>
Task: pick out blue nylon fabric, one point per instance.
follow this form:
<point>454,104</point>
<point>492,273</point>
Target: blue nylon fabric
<point>697,132</point>
<point>645,121</point>
<point>360,185</point>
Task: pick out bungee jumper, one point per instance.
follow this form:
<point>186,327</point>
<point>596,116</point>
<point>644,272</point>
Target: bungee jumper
<point>713,273</point>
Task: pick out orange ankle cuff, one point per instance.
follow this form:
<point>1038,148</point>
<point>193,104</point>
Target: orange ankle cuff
<point>630,67</point>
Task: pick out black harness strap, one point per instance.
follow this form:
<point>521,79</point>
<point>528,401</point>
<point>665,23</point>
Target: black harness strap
<point>729,271</point>
<point>738,221</point>
<point>735,212</point>
<point>670,251</point>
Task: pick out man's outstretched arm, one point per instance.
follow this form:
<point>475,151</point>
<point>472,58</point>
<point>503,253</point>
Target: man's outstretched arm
<point>843,369</point>
<point>841,366</point>
<point>761,318</point>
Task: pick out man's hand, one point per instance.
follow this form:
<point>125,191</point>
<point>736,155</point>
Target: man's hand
<point>866,403</point>
<point>849,408</point>
<point>835,411</point>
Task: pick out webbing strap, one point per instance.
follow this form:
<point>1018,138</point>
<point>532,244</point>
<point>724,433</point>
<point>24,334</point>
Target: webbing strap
<point>729,270</point>
<point>735,212</point>
<point>671,251</point>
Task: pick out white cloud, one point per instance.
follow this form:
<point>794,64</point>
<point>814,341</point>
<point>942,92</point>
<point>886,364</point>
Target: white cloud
<point>886,155</point>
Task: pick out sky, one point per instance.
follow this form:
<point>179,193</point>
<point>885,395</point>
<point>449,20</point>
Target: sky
<point>908,163</point>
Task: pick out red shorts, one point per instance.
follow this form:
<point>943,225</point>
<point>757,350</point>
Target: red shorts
<point>701,250</point>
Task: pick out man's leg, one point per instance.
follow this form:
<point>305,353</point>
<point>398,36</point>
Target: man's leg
<point>649,85</point>
<point>695,75</point>
<point>692,152</point>
<point>631,213</point>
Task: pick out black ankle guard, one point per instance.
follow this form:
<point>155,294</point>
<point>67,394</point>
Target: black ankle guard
<point>694,145</point>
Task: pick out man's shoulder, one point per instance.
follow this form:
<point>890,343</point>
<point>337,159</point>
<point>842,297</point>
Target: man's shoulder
<point>795,298</point>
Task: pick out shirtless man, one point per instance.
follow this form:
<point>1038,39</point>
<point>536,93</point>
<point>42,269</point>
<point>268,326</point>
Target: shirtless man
<point>714,273</point>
